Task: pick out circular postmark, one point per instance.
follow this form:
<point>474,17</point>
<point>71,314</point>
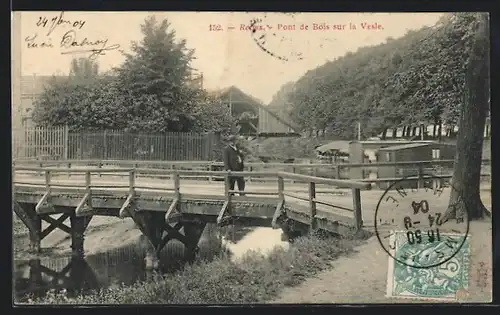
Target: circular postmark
<point>265,35</point>
<point>411,225</point>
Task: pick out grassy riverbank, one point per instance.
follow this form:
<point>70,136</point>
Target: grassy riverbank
<point>255,278</point>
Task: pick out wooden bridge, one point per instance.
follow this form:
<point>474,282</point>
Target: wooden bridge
<point>173,203</point>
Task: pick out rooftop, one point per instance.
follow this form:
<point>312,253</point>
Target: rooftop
<point>238,95</point>
<point>338,145</point>
<point>405,146</point>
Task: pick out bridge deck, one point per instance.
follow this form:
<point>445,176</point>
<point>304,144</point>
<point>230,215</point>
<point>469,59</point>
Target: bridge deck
<point>205,190</point>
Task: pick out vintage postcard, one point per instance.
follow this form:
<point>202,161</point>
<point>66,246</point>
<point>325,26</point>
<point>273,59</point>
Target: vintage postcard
<point>250,157</point>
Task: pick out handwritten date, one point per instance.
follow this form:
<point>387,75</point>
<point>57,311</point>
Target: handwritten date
<point>54,22</point>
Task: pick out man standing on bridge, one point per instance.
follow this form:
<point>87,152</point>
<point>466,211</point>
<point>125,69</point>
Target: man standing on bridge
<point>233,161</point>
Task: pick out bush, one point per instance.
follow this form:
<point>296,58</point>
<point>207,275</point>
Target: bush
<point>253,279</point>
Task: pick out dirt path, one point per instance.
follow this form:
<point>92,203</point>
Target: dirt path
<point>362,277</point>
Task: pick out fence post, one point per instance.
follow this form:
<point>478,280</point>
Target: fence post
<point>87,181</point>
<point>66,141</point>
<point>131,182</point>
<point>177,184</point>
<point>105,145</point>
<point>356,198</point>
<point>226,187</point>
<point>420,182</point>
<point>47,180</point>
<point>281,188</point>
<point>210,168</point>
<point>82,145</point>
<point>337,171</point>
<point>312,205</point>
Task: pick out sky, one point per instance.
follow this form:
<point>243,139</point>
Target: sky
<point>258,63</point>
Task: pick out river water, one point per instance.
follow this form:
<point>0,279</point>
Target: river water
<point>125,265</point>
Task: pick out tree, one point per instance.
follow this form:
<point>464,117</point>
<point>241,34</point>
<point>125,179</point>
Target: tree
<point>211,114</point>
<point>155,79</point>
<point>467,168</point>
<point>84,68</point>
<point>413,80</point>
<point>93,105</point>
<point>150,92</point>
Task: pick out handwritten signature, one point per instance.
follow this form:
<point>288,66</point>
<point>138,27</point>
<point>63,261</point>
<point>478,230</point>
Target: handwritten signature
<point>72,45</point>
<point>69,43</point>
<point>69,40</point>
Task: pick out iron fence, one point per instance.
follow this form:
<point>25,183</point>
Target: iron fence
<point>56,143</point>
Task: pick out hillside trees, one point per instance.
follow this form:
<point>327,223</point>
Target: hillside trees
<point>279,103</point>
<point>437,75</point>
<point>405,82</point>
<point>149,92</point>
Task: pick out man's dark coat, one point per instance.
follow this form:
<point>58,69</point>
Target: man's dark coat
<point>231,160</point>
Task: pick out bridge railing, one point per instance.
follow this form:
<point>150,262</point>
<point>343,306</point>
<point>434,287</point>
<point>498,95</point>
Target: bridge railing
<point>337,171</point>
<point>313,199</point>
<point>133,187</point>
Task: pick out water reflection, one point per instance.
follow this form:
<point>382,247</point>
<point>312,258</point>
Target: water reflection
<point>126,265</point>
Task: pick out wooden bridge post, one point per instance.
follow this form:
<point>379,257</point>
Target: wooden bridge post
<point>35,273</point>
<point>193,232</point>
<point>227,194</point>
<point>177,185</point>
<point>356,198</point>
<point>337,171</point>
<point>29,217</point>
<point>27,214</point>
<point>81,275</point>
<point>226,207</point>
<point>281,188</point>
<point>78,225</point>
<point>420,182</point>
<point>281,204</point>
<point>210,168</point>
<point>36,234</point>
<point>312,205</point>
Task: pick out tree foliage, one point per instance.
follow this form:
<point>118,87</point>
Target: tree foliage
<point>149,92</point>
<point>416,79</point>
<point>83,68</point>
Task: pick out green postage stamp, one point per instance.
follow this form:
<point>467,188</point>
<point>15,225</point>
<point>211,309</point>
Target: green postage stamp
<point>446,281</point>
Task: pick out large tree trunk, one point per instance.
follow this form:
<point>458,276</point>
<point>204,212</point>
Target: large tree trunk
<point>440,131</point>
<point>384,134</point>
<point>394,133</point>
<point>414,131</point>
<point>467,169</point>
<point>434,130</point>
